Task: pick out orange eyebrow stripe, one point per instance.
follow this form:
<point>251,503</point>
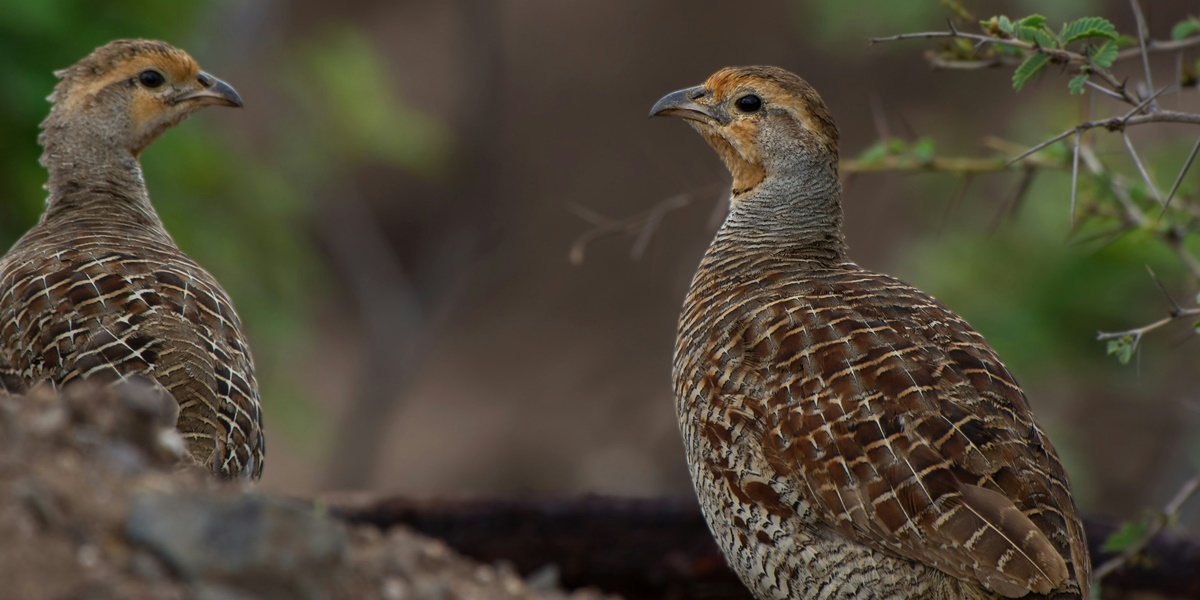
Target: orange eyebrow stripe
<point>782,88</point>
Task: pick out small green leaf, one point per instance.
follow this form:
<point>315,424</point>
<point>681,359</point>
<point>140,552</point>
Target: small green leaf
<point>1105,55</point>
<point>1128,534</point>
<point>1060,152</point>
<point>1077,82</point>
<point>1041,37</point>
<point>1088,27</point>
<point>1185,28</point>
<point>1197,326</point>
<point>1122,348</point>
<point>1032,65</point>
<point>896,146</point>
<point>874,153</point>
<point>1045,38</point>
<point>1034,21</point>
<point>1005,25</point>
<point>922,150</point>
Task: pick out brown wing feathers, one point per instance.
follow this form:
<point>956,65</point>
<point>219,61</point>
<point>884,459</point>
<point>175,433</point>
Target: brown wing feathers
<point>869,419</point>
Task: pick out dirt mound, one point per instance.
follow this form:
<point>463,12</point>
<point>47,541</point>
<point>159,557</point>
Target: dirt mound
<point>96,504</point>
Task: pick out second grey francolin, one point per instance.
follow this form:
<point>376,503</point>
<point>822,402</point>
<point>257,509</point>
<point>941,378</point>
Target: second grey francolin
<point>848,435</point>
<point>98,290</point>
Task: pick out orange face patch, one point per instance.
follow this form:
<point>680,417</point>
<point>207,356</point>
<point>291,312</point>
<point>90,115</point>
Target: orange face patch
<point>779,88</point>
<point>737,139</point>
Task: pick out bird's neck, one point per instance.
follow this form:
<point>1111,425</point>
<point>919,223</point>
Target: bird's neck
<point>91,173</point>
<point>795,211</point>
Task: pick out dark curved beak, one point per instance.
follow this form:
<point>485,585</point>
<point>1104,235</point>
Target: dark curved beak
<point>211,91</point>
<point>683,104</point>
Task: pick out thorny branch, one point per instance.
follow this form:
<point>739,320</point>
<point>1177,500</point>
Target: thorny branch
<point>1059,56</point>
<point>1152,47</point>
<point>1143,110</point>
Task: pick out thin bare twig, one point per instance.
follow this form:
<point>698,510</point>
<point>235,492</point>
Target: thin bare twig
<point>957,198</point>
<point>1159,521</point>
<point>1013,206</point>
<point>1137,332</point>
<point>1159,46</point>
<point>938,62</point>
<point>880,116</point>
<point>959,165</point>
<point>641,226</point>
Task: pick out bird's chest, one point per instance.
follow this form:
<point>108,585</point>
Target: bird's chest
<point>726,407</point>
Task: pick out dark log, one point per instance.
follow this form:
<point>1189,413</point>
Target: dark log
<point>648,549</point>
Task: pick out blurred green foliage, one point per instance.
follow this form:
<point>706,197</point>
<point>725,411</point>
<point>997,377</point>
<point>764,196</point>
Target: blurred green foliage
<point>846,23</point>
<point>355,116</point>
<point>1038,296</point>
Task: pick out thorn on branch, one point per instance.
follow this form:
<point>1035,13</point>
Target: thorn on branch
<point>1187,164</point>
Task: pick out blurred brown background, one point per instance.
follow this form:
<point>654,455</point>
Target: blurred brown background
<point>394,209</point>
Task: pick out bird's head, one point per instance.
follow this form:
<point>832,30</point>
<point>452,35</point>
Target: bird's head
<point>130,91</point>
<point>762,121</point>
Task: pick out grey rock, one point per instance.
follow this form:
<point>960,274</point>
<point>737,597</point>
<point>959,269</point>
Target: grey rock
<point>269,547</point>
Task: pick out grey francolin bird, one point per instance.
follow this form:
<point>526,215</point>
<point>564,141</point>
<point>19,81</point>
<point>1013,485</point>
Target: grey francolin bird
<point>98,290</point>
<point>848,435</point>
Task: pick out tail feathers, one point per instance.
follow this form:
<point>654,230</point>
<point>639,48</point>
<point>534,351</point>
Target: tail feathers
<point>1009,554</point>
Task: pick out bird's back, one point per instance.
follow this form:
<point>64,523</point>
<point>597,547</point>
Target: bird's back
<point>101,297</point>
<point>849,436</point>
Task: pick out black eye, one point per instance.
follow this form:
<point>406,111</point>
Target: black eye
<point>151,78</point>
<point>749,103</point>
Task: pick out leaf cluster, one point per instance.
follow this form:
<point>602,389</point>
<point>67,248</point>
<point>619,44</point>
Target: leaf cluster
<point>1095,38</point>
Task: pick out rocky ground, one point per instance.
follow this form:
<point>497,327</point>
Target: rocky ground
<point>96,505</point>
